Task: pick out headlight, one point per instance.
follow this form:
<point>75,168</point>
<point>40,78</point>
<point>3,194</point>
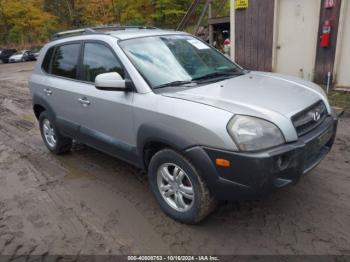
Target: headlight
<point>251,133</point>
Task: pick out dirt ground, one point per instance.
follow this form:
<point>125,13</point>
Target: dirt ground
<point>89,203</point>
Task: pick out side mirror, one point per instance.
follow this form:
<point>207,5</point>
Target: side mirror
<point>110,82</point>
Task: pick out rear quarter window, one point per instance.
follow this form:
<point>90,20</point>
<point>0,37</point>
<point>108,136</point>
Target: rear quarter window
<point>47,60</point>
<point>65,60</point>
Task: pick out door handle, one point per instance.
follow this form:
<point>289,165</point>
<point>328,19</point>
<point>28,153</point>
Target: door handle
<point>84,101</point>
<point>48,91</point>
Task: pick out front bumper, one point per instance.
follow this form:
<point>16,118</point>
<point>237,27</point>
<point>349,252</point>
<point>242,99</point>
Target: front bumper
<point>254,174</point>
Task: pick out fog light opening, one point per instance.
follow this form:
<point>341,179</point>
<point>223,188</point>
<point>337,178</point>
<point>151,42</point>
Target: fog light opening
<point>283,162</point>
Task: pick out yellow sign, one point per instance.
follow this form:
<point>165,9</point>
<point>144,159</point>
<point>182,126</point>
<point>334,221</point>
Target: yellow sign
<point>241,4</point>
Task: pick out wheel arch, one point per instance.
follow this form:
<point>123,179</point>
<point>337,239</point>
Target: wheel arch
<point>151,139</point>
<point>40,105</point>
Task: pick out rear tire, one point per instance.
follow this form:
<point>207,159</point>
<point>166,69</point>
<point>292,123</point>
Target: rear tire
<point>54,141</point>
<point>178,188</point>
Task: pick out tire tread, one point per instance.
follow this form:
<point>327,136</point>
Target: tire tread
<point>64,144</point>
<point>207,201</point>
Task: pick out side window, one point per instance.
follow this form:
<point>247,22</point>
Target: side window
<point>65,60</point>
<point>47,60</point>
<point>99,59</point>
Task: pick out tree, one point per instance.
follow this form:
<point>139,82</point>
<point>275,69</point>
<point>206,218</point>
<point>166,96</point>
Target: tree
<point>25,22</point>
<point>69,12</point>
<point>168,13</point>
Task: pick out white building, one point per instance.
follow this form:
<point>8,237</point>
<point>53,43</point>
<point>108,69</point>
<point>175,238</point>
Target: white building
<point>291,37</point>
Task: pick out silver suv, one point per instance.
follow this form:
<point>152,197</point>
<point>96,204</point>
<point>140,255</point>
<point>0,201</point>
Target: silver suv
<point>202,127</point>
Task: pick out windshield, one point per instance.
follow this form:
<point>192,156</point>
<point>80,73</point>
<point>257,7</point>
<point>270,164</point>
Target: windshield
<point>19,53</point>
<point>177,60</point>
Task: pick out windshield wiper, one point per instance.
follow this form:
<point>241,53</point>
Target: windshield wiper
<point>217,75</point>
<point>174,83</point>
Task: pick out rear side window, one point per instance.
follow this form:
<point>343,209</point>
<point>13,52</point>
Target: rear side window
<point>47,60</point>
<point>65,60</point>
<point>99,59</point>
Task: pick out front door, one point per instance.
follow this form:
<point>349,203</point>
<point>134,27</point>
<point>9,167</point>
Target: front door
<point>106,121</point>
<point>297,34</point>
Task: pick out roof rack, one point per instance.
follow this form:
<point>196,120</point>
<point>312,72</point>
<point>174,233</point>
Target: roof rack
<point>96,30</point>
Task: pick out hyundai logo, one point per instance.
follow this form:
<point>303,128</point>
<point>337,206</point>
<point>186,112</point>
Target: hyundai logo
<point>316,116</point>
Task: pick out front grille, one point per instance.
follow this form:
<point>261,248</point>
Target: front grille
<point>316,149</point>
<point>310,118</point>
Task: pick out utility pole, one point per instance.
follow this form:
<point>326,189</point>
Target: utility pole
<point>188,15</point>
<point>211,28</point>
<point>205,9</point>
<point>232,28</point>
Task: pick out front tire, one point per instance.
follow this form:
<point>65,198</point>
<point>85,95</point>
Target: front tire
<point>178,188</point>
<point>51,136</point>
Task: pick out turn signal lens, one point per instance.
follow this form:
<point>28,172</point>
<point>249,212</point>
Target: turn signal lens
<point>222,162</point>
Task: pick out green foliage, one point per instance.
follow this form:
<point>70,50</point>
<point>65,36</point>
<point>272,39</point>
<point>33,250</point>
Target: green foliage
<point>340,99</point>
<point>168,13</point>
<point>24,22</point>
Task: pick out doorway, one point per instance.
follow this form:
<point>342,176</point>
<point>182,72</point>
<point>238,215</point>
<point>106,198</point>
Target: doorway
<point>343,77</point>
<point>297,34</point>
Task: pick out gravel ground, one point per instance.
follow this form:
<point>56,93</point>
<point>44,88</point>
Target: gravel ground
<point>89,203</point>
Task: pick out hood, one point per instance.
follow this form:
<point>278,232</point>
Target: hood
<point>257,94</point>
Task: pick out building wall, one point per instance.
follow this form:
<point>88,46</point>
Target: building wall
<point>297,25</point>
<point>254,35</point>
<point>343,71</point>
<point>325,57</point>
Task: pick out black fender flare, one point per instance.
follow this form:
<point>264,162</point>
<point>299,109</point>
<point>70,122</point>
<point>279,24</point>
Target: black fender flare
<point>38,100</point>
<point>148,133</point>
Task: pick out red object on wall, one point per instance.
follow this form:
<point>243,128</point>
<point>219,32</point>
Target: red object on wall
<point>326,34</point>
<point>325,40</point>
<point>329,4</point>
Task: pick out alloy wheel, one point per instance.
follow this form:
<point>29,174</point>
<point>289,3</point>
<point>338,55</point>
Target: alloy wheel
<point>175,187</point>
<point>49,133</point>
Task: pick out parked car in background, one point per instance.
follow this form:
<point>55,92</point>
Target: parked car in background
<point>5,54</point>
<point>36,51</point>
<point>22,56</point>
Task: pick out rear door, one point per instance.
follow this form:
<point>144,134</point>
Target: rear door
<point>106,119</point>
<point>62,89</point>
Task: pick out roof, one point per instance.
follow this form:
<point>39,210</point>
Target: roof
<point>128,34</point>
<point>117,32</point>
